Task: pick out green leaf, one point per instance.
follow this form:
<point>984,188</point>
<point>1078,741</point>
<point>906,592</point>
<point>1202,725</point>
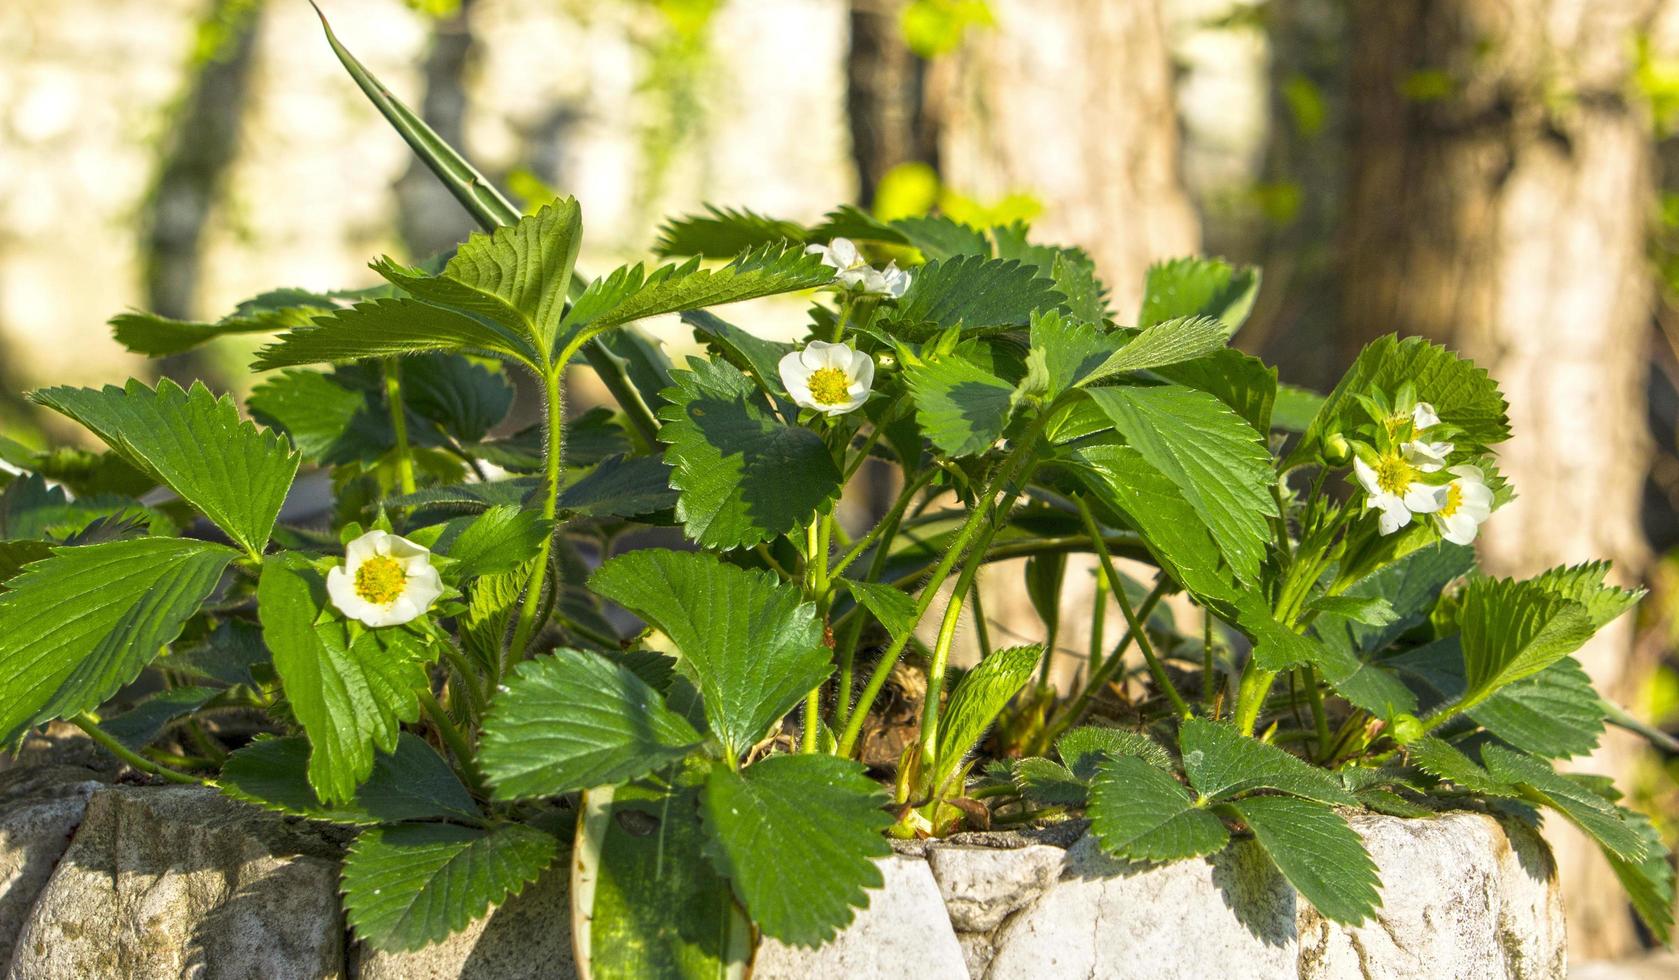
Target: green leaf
<point>1461,393</point>
<point>755,648</point>
<point>140,725</point>
<point>1584,584</point>
<point>743,475</point>
<point>1082,748</point>
<point>393,328</point>
<point>1222,763</point>
<point>1244,382</point>
<point>962,408</point>
<point>82,624</point>
<point>1411,586</point>
<point>576,720</point>
<point>463,397</point>
<point>160,336</point>
<point>1512,630</point>
<point>979,698</point>
<point>892,607</point>
<point>977,292</point>
<point>410,885</point>
<point>349,694</point>
<point>722,233</point>
<point>328,422</point>
<point>411,783</point>
<point>797,836</point>
<point>1068,351</point>
<point>227,656</point>
<point>1648,882</point>
<point>234,473</point>
<point>621,486</point>
<point>757,357</point>
<point>1554,714</point>
<point>1217,461</point>
<point>941,237</point>
<point>1600,819</point>
<point>645,900</point>
<point>1443,760</point>
<point>636,295</point>
<point>498,540</point>
<point>1199,287</point>
<point>1142,813</point>
<point>1317,852</point>
<point>1048,783</point>
<point>1163,344</point>
<point>14,555</point>
<point>1295,408</point>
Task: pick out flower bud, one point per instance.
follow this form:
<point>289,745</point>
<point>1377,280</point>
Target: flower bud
<point>1407,729</point>
<point>1336,451</point>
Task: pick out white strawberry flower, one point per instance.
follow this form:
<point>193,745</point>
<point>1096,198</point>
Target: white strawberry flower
<point>385,580</point>
<point>829,378</point>
<point>1393,486</point>
<point>854,272</point>
<point>1465,506</point>
<point>1428,457</point>
<point>1423,416</point>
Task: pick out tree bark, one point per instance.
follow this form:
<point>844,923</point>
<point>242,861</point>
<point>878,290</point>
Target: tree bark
<point>428,216</point>
<point>885,97</point>
<point>1501,185</point>
<point>1070,101</point>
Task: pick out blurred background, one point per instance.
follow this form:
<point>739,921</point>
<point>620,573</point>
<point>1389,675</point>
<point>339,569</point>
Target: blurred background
<point>1499,175</point>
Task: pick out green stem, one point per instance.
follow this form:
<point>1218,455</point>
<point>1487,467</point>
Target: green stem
<point>1099,680</point>
<point>1162,680</point>
<point>459,747</point>
<point>882,535</point>
<point>1208,694</point>
<point>468,679</point>
<point>970,529</point>
<point>1098,626</point>
<point>888,526</point>
<point>1320,720</point>
<point>109,743</point>
<point>816,585</point>
<point>555,408</point>
<point>399,425</point>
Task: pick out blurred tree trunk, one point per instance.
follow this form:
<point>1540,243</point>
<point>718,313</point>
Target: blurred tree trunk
<point>1501,185</point>
<point>202,141</point>
<point>885,97</point>
<point>1070,101</point>
<point>428,216</point>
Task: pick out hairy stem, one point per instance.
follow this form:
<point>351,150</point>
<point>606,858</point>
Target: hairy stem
<point>1156,669</point>
<point>109,743</point>
<point>455,739</point>
<point>555,421</point>
<point>399,425</point>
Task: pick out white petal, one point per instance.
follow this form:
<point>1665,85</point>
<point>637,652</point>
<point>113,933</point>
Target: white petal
<point>1427,456</point>
<point>844,253</point>
<point>406,550</point>
<point>341,589</point>
<point>1468,472</point>
<point>897,280</point>
<point>794,372</point>
<point>861,369</point>
<point>363,548</point>
<point>423,587</point>
<point>1423,416</point>
<point>1424,498</point>
<point>1392,519</point>
<point>1459,528</point>
<point>1366,475</point>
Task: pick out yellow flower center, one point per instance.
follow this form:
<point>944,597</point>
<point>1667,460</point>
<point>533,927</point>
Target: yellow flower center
<point>1454,499</point>
<point>830,386</point>
<point>1394,475</point>
<point>380,580</point>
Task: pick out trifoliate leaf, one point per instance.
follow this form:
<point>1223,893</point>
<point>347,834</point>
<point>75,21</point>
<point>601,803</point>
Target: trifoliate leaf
<point>1441,759</point>
<point>796,836</point>
<point>409,885</point>
<point>892,607</point>
<point>743,476</point>
<point>1067,350</point>
<point>981,695</point>
<point>412,783</point>
<point>1082,748</point>
<point>723,233</point>
<point>140,725</point>
<point>1599,818</point>
<point>1242,381</point>
<point>1163,344</point>
<point>646,902</point>
<point>82,624</point>
<point>1199,287</point>
<point>1142,813</point>
<point>1217,461</point>
<point>976,292</point>
<point>575,720</point>
<point>962,408</point>
<point>1554,714</point>
<point>161,336</point>
<point>755,648</point>
<point>1513,629</point>
<point>498,540</point>
<point>941,237</point>
<point>1222,763</point>
<point>350,695</point>
<point>234,473</point>
<point>1461,393</point>
<point>756,356</point>
<point>1319,854</point>
<point>621,486</point>
<point>1048,783</point>
<point>393,328</point>
<point>637,295</point>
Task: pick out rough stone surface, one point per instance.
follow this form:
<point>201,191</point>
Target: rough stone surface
<point>904,932</point>
<point>1120,920</point>
<point>1462,896</point>
<point>527,938</point>
<point>60,744</point>
<point>39,810</point>
<point>181,882</point>
<point>983,885</point>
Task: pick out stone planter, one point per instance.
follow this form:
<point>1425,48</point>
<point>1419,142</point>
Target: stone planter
<point>100,880</point>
